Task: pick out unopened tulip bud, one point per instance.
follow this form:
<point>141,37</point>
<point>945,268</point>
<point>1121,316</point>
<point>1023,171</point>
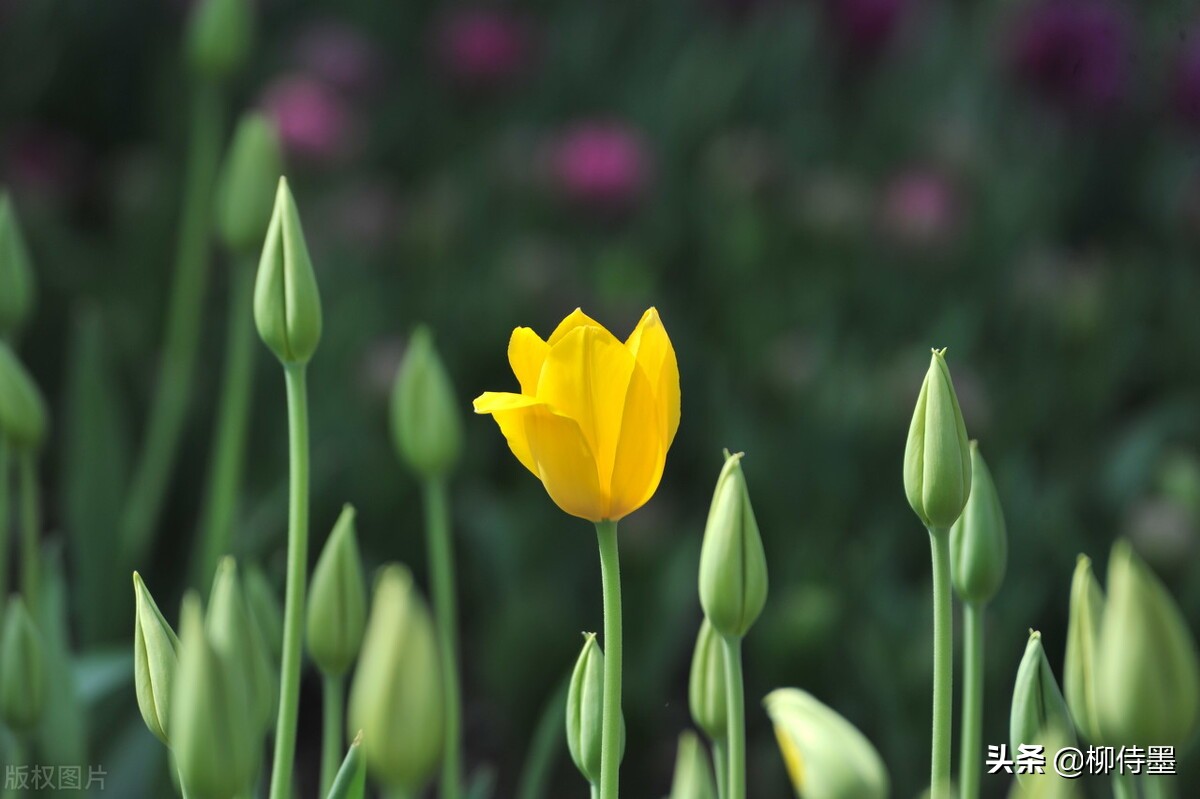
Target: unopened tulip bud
<point>826,756</point>
<point>337,601</point>
<point>426,424</point>
<point>247,183</point>
<point>585,710</point>
<point>219,35</point>
<point>155,661</point>
<point>733,566</point>
<point>1048,785</point>
<point>1038,708</point>
<point>22,679</point>
<point>266,610</point>
<point>236,637</point>
<point>706,684</point>
<point>978,541</point>
<point>1147,673</point>
<point>693,774</point>
<point>16,274</point>
<point>22,408</point>
<point>351,779</point>
<point>1079,665</point>
<point>287,303</point>
<point>396,695</point>
<point>937,458</point>
<point>213,736</point>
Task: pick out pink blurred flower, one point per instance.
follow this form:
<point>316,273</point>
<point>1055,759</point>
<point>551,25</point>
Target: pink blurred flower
<point>1187,81</point>
<point>867,25</point>
<point>339,55</point>
<point>601,162</point>
<point>482,47</point>
<point>313,121</point>
<point>920,208</point>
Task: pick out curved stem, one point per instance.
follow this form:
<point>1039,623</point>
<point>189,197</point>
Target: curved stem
<point>610,739</point>
<point>4,511</point>
<point>228,456</point>
<point>297,566</point>
<point>943,665</point>
<point>970,755</point>
<point>735,701</point>
<point>30,522</point>
<point>720,756</point>
<point>168,409</point>
<point>441,568</point>
<point>331,722</point>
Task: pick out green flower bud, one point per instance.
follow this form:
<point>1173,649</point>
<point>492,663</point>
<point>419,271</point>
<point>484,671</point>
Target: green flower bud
<point>213,735</point>
<point>706,684</point>
<point>235,635</point>
<point>396,694</point>
<point>1147,674</point>
<point>978,541</point>
<point>155,661</point>
<point>1048,785</point>
<point>351,779</point>
<point>22,676</point>
<point>1039,711</point>
<point>337,601</point>
<point>219,35</point>
<point>693,774</point>
<point>246,185</point>
<point>1079,665</point>
<point>266,610</point>
<point>287,304</point>
<point>426,424</point>
<point>22,409</point>
<point>825,755</point>
<point>16,273</point>
<point>733,566</point>
<point>937,458</point>
<point>585,710</point>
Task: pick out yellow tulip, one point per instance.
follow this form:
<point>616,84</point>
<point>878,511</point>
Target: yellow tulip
<point>595,417</point>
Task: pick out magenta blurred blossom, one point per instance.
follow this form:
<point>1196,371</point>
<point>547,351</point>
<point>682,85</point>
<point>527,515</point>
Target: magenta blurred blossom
<point>43,161</point>
<point>601,162</point>
<point>1076,52</point>
<point>313,121</point>
<point>483,47</point>
<point>867,25</point>
<point>339,55</point>
<point>1187,81</point>
<point>920,207</point>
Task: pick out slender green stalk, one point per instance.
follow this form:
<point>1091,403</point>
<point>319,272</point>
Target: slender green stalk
<point>4,510</point>
<point>1156,786</point>
<point>1123,786</point>
<point>441,568</point>
<point>595,792</point>
<point>168,410</point>
<point>332,722</point>
<point>971,755</point>
<point>297,566</point>
<point>30,529</point>
<point>720,756</point>
<point>233,413</point>
<point>183,791</point>
<point>943,665</point>
<point>544,747</point>
<point>610,737</point>
<point>735,701</point>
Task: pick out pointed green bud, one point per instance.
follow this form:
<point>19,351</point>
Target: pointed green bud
<point>585,710</point>
<point>978,540</point>
<point>1048,785</point>
<point>937,458</point>
<point>155,661</point>
<point>706,684</point>
<point>219,35</point>
<point>426,424</point>
<point>22,409</point>
<point>351,779</point>
<point>1147,674</point>
<point>16,274</point>
<point>693,774</point>
<point>1079,665</point>
<point>22,675</point>
<point>337,601</point>
<point>246,185</point>
<point>213,736</point>
<point>287,304</point>
<point>1038,708</point>
<point>396,694</point>
<point>825,755</point>
<point>235,635</point>
<point>733,566</point>
<point>266,610</point>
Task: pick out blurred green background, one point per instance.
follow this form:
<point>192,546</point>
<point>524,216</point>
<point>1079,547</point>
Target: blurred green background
<point>812,193</point>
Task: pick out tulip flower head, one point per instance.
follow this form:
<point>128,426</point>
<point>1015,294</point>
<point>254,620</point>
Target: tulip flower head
<point>937,459</point>
<point>1079,664</point>
<point>706,684</point>
<point>155,661</point>
<point>1039,711</point>
<point>693,774</point>
<point>978,540</point>
<point>595,417</point>
<point>22,675</point>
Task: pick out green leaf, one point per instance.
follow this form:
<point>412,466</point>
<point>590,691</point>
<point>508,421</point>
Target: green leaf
<point>351,779</point>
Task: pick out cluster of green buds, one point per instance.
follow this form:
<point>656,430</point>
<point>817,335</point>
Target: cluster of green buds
<point>16,274</point>
<point>337,600</point>
<point>937,458</point>
<point>22,676</point>
<point>23,417</point>
<point>247,184</point>
<point>426,424</point>
<point>585,711</point>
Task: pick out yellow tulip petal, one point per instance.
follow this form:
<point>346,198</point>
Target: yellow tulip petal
<point>641,450</point>
<point>526,354</point>
<point>652,348</point>
<point>576,319</point>
<point>511,412</point>
<point>564,463</point>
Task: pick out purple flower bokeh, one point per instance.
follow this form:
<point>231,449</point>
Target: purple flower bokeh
<point>603,163</point>
<point>482,48</point>
<point>1187,81</point>
<point>920,208</point>
<point>867,26</point>
<point>313,122</point>
<point>339,55</point>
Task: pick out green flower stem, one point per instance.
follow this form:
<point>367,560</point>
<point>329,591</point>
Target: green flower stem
<point>332,722</point>
<point>943,665</point>
<point>1123,786</point>
<point>1156,786</point>
<point>610,739</point>
<point>233,412</point>
<point>297,565</point>
<point>4,510</point>
<point>183,791</point>
<point>168,410</point>
<point>441,569</point>
<point>595,792</point>
<point>30,524</point>
<point>720,756</point>
<point>971,754</point>
<point>735,701</point>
